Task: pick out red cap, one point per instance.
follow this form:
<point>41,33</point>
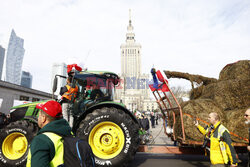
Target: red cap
<point>71,66</point>
<point>52,108</point>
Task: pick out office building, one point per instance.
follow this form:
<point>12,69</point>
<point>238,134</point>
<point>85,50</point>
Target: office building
<point>26,79</point>
<point>14,59</point>
<point>2,53</point>
<point>134,91</point>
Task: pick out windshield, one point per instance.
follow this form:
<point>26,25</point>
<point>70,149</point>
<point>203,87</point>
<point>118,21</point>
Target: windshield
<point>90,84</point>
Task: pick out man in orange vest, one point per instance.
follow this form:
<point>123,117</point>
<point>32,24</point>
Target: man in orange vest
<point>69,93</point>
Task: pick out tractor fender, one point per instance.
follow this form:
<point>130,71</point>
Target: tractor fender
<point>31,118</point>
<point>101,105</point>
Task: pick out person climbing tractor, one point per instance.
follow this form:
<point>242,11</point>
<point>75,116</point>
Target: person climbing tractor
<point>69,93</point>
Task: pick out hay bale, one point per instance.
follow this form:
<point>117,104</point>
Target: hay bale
<point>200,108</point>
<point>235,122</point>
<point>229,97</point>
<point>229,94</point>
<point>196,92</point>
<point>237,70</point>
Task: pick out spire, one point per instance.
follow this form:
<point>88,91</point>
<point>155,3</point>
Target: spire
<point>13,34</point>
<point>130,36</point>
<point>130,27</point>
<point>130,18</point>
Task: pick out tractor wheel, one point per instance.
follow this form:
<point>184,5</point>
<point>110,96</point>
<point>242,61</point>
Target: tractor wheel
<point>112,135</point>
<point>15,140</point>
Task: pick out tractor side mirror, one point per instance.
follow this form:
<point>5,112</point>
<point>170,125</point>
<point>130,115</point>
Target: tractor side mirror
<point>54,84</point>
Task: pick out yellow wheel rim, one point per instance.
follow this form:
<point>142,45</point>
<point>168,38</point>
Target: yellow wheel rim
<point>14,146</point>
<point>106,140</point>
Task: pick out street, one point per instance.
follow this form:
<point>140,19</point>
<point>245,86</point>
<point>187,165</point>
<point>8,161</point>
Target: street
<point>172,160</point>
<point>143,159</point>
<point>169,160</point>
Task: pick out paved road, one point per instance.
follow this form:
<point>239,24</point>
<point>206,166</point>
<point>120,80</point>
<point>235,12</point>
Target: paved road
<point>159,135</point>
<point>171,160</point>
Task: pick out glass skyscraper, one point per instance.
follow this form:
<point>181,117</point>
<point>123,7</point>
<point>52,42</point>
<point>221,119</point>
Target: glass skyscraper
<point>26,79</point>
<point>14,59</point>
<point>2,52</point>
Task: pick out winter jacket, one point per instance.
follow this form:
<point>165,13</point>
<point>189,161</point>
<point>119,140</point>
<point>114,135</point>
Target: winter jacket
<point>42,149</point>
<point>220,135</point>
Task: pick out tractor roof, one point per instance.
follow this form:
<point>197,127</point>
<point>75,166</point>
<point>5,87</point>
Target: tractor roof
<point>102,74</point>
<point>98,72</point>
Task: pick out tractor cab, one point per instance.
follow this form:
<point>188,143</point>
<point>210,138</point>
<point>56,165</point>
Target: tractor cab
<point>97,86</point>
<point>93,87</point>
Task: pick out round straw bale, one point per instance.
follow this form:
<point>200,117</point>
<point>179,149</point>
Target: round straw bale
<point>229,94</point>
<point>236,123</point>
<point>237,70</point>
<point>196,92</point>
<point>199,108</point>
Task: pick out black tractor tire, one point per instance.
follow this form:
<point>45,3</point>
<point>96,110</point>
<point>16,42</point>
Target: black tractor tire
<point>128,129</point>
<point>15,132</point>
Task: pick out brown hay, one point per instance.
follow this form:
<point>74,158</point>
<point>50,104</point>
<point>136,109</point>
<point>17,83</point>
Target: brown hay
<point>196,92</point>
<point>236,123</point>
<point>238,70</point>
<point>229,97</point>
<point>230,94</point>
<point>199,108</point>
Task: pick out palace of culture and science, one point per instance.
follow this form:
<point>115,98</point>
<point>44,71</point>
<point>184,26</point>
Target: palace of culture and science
<point>134,91</point>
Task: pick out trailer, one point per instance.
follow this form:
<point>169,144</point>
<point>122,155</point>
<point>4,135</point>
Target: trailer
<point>173,115</point>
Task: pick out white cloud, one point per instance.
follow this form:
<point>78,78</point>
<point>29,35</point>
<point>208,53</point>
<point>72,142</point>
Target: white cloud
<point>198,37</point>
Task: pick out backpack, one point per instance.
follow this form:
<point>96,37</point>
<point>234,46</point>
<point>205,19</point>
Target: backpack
<point>77,153</point>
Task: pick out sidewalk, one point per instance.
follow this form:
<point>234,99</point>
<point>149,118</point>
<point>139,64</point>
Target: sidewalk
<point>159,137</point>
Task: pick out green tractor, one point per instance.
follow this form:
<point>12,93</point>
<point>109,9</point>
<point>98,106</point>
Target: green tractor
<point>110,128</point>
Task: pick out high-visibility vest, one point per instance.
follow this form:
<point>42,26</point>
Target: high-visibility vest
<point>71,92</point>
<point>220,152</point>
<point>58,145</point>
<point>221,130</point>
<point>222,145</point>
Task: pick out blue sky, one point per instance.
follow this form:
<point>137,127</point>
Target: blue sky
<point>194,36</point>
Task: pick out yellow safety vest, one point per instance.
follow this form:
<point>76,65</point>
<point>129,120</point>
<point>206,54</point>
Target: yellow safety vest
<point>58,144</point>
<point>71,92</point>
<point>218,148</point>
<point>221,130</point>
